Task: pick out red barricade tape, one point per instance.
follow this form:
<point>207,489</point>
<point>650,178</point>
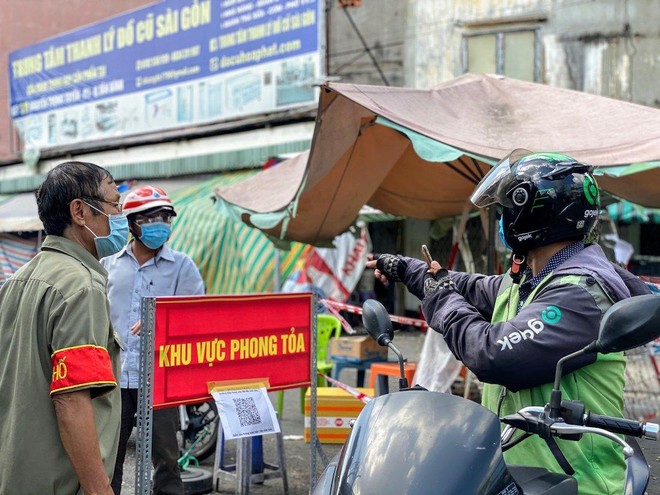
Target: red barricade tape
<point>354,392</point>
<point>404,320</point>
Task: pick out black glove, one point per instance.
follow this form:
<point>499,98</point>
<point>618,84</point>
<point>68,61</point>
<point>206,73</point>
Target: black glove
<point>393,267</point>
<point>441,280</point>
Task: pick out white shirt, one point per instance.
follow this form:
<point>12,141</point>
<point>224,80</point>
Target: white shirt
<point>169,273</point>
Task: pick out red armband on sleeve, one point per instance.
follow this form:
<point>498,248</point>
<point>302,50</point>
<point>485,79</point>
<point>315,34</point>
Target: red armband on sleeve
<point>81,367</point>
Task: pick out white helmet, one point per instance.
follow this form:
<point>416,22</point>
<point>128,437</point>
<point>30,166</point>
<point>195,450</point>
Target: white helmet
<point>146,198</point>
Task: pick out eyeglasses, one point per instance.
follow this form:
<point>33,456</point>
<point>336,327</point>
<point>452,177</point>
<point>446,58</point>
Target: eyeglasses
<point>116,205</point>
<point>160,216</point>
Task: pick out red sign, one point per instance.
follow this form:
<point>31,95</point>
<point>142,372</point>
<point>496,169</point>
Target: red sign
<point>221,338</point>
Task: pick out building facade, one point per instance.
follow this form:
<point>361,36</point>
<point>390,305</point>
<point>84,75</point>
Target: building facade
<point>610,48</point>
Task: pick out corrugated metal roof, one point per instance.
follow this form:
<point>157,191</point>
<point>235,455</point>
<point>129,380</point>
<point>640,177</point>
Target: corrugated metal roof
<point>179,166</point>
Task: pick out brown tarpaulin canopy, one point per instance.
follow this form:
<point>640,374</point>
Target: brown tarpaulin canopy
<point>363,151</point>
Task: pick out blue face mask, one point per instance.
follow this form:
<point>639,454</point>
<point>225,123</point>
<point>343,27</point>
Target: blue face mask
<point>506,244</point>
<point>116,239</point>
<point>154,235</point>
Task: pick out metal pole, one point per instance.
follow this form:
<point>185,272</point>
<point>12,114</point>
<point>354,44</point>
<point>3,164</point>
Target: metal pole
<point>492,222</point>
<point>326,41</point>
<point>243,465</point>
<point>277,284</point>
<point>313,439</point>
<point>145,397</point>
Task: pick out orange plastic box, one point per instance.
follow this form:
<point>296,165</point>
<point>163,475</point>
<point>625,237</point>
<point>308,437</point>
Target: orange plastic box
<point>335,408</point>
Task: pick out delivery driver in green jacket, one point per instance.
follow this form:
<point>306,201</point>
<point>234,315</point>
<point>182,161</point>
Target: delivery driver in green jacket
<point>510,330</point>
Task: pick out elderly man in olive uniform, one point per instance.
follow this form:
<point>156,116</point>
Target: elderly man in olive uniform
<point>59,402</point>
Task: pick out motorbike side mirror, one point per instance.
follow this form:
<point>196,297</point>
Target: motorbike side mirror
<point>379,326</point>
<point>377,322</point>
<point>628,324</point>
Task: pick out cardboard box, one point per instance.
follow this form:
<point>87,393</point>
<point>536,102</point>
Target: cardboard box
<point>357,348</point>
<point>335,408</point>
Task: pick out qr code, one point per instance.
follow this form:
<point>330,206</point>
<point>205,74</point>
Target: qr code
<point>248,414</point>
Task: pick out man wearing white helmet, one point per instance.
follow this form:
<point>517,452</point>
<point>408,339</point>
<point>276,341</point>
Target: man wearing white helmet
<point>147,267</point>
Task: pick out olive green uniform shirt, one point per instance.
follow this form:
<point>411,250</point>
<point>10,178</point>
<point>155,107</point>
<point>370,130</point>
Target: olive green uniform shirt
<point>55,337</point>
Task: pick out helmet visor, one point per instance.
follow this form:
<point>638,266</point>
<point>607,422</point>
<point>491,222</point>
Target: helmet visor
<point>493,187</point>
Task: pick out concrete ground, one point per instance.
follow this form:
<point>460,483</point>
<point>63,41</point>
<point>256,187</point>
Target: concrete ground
<point>297,452</point>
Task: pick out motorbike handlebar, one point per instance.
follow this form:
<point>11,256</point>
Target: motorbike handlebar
<point>529,419</point>
<point>622,426</point>
<point>615,425</point>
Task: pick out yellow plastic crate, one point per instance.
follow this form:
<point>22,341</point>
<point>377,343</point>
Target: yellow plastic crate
<point>335,408</point>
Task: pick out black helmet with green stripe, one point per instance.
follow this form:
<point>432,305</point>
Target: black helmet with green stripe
<point>544,197</point>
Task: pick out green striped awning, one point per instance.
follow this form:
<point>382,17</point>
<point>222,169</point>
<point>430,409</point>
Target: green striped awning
<point>232,257</point>
<point>626,212</point>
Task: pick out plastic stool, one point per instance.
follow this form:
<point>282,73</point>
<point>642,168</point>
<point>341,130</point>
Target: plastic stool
<point>383,370</point>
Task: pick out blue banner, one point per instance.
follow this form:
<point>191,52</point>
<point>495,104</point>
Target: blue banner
<point>170,64</point>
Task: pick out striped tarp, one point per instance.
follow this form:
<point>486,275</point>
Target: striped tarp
<point>232,257</point>
<point>14,253</point>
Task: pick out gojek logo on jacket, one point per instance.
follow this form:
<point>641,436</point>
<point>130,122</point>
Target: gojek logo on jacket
<point>550,315</point>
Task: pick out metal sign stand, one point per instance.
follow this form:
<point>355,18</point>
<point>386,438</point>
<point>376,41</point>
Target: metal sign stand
<point>145,398</point>
<point>314,443</point>
<point>244,447</point>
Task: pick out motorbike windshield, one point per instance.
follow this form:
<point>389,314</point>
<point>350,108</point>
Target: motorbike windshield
<point>493,187</point>
<point>423,442</point>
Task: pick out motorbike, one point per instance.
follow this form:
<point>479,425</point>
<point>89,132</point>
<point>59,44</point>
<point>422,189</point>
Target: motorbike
<point>198,432</point>
<point>197,437</point>
<point>415,441</point>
